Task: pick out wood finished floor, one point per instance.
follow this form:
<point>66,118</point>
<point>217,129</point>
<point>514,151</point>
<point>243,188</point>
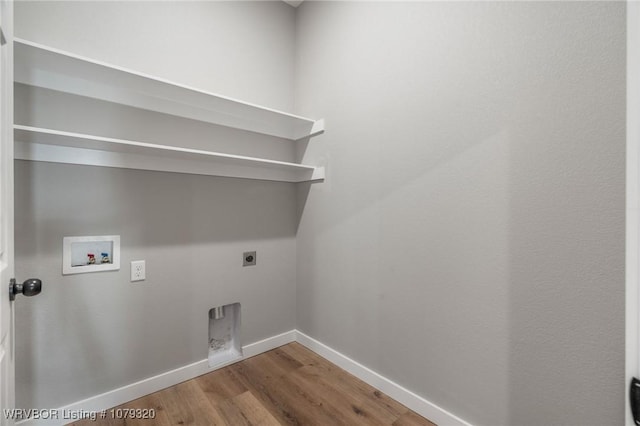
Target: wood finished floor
<point>286,386</point>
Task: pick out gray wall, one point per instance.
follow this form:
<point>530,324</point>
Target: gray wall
<point>469,240</point>
<point>87,334</point>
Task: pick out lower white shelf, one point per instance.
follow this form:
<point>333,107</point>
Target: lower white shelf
<point>39,144</point>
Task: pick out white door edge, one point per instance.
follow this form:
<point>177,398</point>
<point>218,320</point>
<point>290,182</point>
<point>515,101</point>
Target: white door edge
<point>632,320</point>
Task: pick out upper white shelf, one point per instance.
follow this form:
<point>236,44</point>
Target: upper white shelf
<point>50,68</point>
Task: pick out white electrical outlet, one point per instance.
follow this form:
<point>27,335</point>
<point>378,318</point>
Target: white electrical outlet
<point>138,272</point>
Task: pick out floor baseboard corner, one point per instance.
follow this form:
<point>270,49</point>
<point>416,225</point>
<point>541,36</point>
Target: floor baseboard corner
<point>99,403</point>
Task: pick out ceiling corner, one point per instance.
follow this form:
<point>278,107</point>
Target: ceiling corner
<point>294,3</point>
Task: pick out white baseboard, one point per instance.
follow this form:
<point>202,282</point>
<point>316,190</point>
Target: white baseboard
<point>98,403</point>
<point>269,343</point>
<point>153,384</point>
<point>427,409</point>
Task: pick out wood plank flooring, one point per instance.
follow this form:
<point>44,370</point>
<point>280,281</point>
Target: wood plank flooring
<point>290,385</point>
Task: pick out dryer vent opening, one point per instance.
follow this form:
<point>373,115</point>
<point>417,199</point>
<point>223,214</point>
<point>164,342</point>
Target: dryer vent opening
<point>224,334</point>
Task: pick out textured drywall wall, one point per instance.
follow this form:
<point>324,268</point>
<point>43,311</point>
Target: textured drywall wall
<point>468,242</point>
<point>87,334</point>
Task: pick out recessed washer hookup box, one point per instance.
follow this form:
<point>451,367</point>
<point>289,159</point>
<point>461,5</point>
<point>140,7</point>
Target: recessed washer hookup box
<point>81,255</point>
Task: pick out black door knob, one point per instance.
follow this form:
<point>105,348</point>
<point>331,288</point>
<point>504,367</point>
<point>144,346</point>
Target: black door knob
<point>30,287</point>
